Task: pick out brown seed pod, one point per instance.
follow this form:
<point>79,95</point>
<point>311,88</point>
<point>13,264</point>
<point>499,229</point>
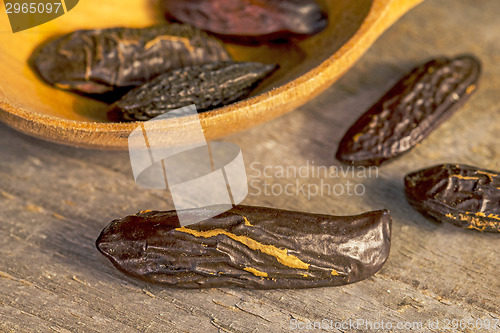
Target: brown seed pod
<point>101,60</point>
<point>207,86</point>
<point>462,195</point>
<point>250,247</point>
<point>249,20</point>
<point>410,110</point>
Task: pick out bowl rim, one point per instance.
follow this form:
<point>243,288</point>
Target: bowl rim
<point>228,119</point>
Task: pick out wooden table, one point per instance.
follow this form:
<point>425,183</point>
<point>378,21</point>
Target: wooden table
<point>55,200</point>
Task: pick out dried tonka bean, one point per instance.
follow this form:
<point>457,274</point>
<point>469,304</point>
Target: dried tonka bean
<point>249,20</point>
<point>207,86</point>
<point>251,247</point>
<point>98,61</point>
<point>410,110</point>
<point>463,195</point>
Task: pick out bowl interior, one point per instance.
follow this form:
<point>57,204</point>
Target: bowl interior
<point>23,92</point>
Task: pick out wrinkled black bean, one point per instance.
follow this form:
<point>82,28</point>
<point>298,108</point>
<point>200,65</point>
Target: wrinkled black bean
<point>207,86</point>
<point>463,195</point>
<point>410,110</point>
<point>251,247</point>
<point>100,60</point>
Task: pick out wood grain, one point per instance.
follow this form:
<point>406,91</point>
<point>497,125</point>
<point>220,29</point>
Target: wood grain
<point>306,69</point>
<point>55,200</point>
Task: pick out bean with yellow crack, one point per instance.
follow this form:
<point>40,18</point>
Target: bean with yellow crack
<point>99,61</point>
<point>250,247</point>
<point>462,195</point>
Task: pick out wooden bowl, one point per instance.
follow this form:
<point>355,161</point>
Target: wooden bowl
<point>307,67</point>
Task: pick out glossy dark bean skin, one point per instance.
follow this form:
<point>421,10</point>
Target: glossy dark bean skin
<point>249,20</point>
<point>410,111</point>
<point>249,247</point>
<point>101,60</point>
<point>207,86</point>
<point>462,195</point>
